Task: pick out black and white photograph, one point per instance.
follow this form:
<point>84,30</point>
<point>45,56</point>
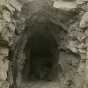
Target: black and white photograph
<point>43,43</point>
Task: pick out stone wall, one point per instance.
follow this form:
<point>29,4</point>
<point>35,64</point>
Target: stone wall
<point>7,28</point>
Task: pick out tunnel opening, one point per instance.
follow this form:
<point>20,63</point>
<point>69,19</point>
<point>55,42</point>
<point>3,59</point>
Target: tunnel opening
<point>42,56</point>
<point>35,54</point>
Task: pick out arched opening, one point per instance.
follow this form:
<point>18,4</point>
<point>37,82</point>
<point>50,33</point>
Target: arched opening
<point>42,56</point>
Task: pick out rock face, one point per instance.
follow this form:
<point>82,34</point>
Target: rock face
<point>70,16</point>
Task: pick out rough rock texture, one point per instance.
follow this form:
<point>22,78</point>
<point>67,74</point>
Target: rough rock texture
<point>7,28</point>
<point>74,41</point>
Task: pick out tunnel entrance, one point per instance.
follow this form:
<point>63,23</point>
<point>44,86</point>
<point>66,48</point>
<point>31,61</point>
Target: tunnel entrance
<point>35,54</point>
<point>42,56</point>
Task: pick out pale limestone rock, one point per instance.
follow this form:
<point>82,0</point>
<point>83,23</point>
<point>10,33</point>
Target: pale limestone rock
<point>4,51</point>
<point>82,46</point>
<point>3,63</point>
<point>72,45</point>
<point>3,69</point>
<point>84,21</point>
<point>7,29</point>
<point>63,5</point>
<point>11,9</point>
<point>15,4</point>
<point>6,16</point>
<point>4,84</point>
<point>80,1</point>
<point>6,26</point>
<point>82,51</point>
<point>5,34</point>
<point>86,33</point>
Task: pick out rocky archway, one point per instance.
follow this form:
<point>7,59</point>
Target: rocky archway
<point>69,43</point>
<point>36,53</point>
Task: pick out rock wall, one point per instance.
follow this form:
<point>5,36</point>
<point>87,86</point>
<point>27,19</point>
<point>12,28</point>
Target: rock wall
<point>71,15</point>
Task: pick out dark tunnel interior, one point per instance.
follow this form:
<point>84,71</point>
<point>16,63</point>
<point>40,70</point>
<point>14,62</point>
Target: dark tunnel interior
<point>42,56</point>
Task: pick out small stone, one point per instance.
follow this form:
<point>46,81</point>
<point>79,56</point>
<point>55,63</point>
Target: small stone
<point>15,4</point>
<point>4,51</point>
<point>82,46</point>
<point>10,8</point>
<point>63,5</point>
<point>82,51</point>
<point>6,16</point>
<point>84,21</point>
<point>4,84</point>
<point>73,46</point>
<point>86,33</point>
<point>3,69</point>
